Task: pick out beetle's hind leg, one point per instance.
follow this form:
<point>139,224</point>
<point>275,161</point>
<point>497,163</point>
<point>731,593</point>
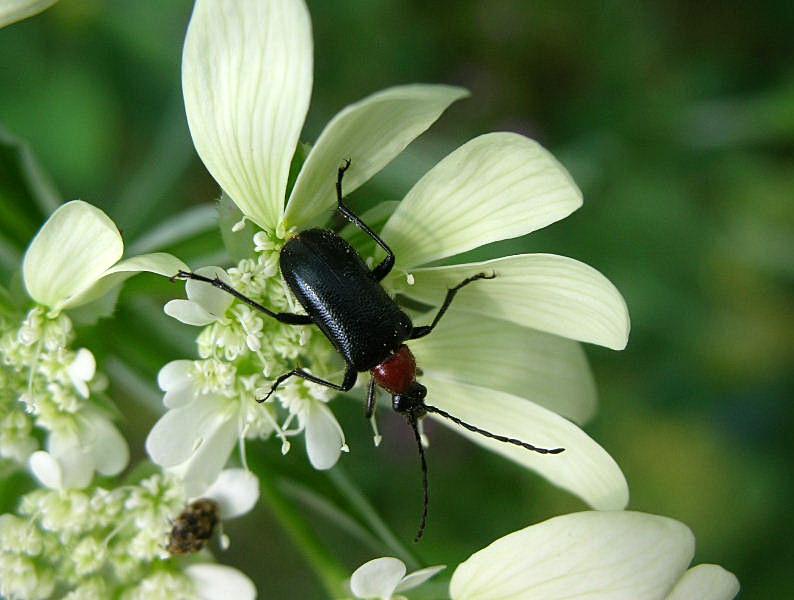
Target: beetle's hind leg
<point>282,317</point>
<point>347,383</point>
<point>383,269</point>
<point>423,330</point>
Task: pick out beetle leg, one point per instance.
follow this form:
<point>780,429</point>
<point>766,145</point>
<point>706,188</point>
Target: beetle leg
<point>423,330</point>
<point>347,383</point>
<point>370,411</point>
<point>282,317</point>
<point>383,269</point>
<point>370,399</point>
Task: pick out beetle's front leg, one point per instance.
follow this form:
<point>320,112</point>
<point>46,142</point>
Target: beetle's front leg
<point>282,317</point>
<point>347,383</point>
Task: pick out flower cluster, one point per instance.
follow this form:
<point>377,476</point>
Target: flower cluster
<point>497,186</point>
<point>107,543</point>
<point>47,386</point>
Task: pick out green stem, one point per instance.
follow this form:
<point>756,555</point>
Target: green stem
<point>371,517</point>
<point>331,574</point>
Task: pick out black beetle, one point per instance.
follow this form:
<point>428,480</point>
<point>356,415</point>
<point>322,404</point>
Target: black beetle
<point>344,298</point>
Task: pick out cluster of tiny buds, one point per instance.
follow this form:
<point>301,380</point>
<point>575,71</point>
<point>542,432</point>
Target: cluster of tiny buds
<point>45,383</point>
<point>242,351</point>
<point>93,543</point>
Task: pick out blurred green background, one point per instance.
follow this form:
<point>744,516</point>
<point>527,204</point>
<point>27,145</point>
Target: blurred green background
<point>675,118</point>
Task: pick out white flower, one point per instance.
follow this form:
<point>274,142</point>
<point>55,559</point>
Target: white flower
<point>205,304</point>
<point>72,457</point>
<point>247,79</point>
<point>599,555</point>
<point>12,11</point>
<point>75,258</point>
<point>382,577</point>
<point>500,358</point>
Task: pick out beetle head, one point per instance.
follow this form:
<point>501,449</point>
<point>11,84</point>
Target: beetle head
<point>411,402</point>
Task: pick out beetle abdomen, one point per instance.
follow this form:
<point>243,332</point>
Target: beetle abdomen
<point>338,292</point>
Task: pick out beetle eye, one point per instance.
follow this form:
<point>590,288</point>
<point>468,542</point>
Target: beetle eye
<point>399,403</point>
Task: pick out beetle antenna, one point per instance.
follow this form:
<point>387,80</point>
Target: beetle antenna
<point>488,434</point>
<point>425,491</point>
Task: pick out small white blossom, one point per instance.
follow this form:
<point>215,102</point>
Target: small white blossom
<point>380,578</point>
<point>75,258</point>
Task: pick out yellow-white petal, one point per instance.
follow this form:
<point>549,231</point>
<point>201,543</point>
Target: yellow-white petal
<point>584,468</point>
<point>73,249</point>
<point>551,293</point>
<point>159,263</point>
<point>417,578</point>
<point>548,370</point>
<point>598,556</point>
<point>219,582</point>
<point>12,11</point>
<point>247,77</point>
<point>180,432</point>
<point>371,133</point>
<point>377,578</point>
<point>324,437</point>
<point>706,582</point>
<point>235,490</point>
<point>496,186</point>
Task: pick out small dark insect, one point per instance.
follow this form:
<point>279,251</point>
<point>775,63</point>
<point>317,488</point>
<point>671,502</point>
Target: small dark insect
<point>194,526</point>
<point>344,298</point>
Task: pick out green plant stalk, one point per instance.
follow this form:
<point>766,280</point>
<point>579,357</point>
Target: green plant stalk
<point>371,517</point>
<point>331,573</point>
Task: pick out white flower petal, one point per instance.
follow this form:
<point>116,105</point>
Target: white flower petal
<point>247,77</point>
<point>495,187</point>
<point>109,449</point>
<point>491,353</point>
<point>83,366</point>
<point>323,434</point>
<point>176,380</point>
<point>551,293</point>
<point>179,433</point>
<point>188,312</point>
<point>76,463</point>
<point>210,298</point>
<point>76,245</point>
<point>46,469</point>
<point>377,578</point>
<point>158,263</point>
<point>706,582</point>
<point>371,133</point>
<point>12,11</point>
<point>200,470</point>
<point>236,491</point>
<point>219,582</point>
<point>82,370</point>
<point>599,556</point>
<point>584,468</point>
<point>175,374</point>
<point>417,578</point>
